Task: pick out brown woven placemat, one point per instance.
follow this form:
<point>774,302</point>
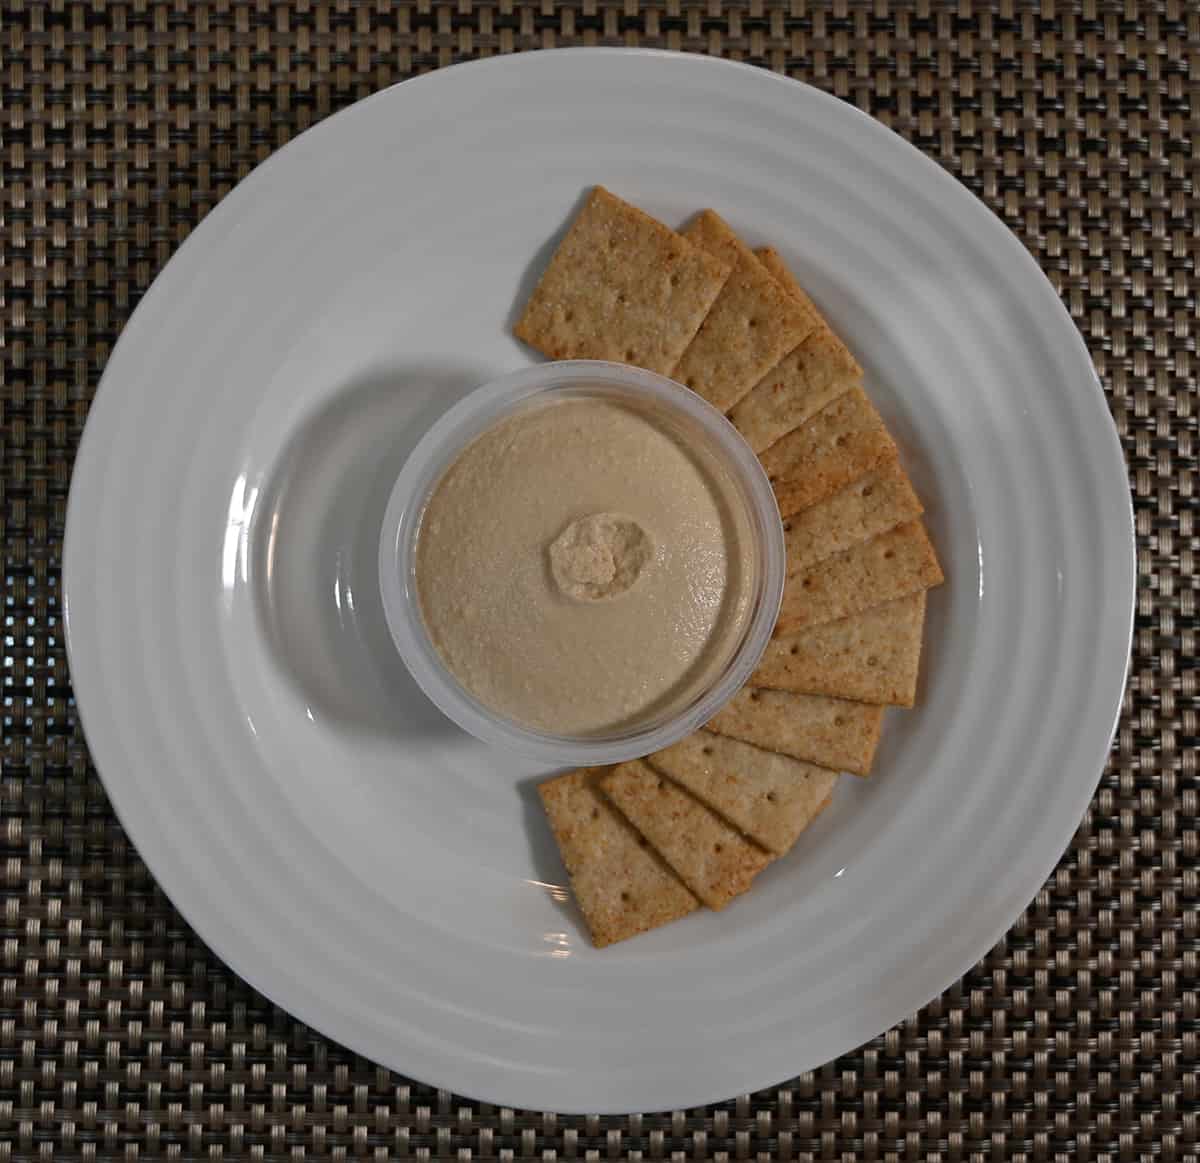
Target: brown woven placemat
<point>122,1036</point>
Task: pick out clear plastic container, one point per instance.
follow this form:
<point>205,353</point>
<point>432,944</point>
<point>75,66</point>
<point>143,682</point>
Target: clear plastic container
<point>692,420</point>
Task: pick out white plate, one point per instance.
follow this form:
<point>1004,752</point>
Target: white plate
<point>384,877</point>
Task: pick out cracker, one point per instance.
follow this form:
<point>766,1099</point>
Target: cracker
<point>802,383</point>
<point>710,856</point>
<point>709,231</point>
<point>793,391</point>
<point>773,261</point>
<point>623,888</point>
<point>621,286</point>
<point>872,657</point>
<point>834,733</point>
<point>753,324</point>
<point>844,441</point>
<point>898,562</point>
<point>828,355</point>
<point>871,505</point>
<point>771,798</point>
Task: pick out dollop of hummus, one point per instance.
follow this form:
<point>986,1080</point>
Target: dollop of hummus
<point>599,556</point>
<point>580,567</point>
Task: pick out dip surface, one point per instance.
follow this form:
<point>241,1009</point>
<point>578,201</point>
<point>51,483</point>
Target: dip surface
<point>578,568</point>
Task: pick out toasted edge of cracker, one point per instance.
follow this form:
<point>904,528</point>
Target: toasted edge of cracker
<point>898,562</point>
<point>621,885</point>
<point>753,324</point>
<point>845,440</point>
<point>803,382</point>
<point>836,733</point>
<point>709,230</point>
<point>621,286</point>
<point>708,854</point>
<point>834,353</point>
<point>792,392</point>
<point>869,506</point>
<point>768,796</point>
<point>782,273</point>
<point>873,657</point>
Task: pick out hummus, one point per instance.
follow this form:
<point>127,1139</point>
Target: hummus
<point>579,569</point>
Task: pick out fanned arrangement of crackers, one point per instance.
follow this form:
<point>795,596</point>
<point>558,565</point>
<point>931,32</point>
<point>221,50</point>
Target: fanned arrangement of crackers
<point>649,841</point>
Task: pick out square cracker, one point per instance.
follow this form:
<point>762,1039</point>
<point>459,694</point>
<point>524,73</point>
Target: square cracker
<point>845,440</point>
<point>773,261</point>
<point>753,324</point>
<point>872,657</point>
<point>621,886</point>
<point>873,504</point>
<point>793,391</point>
<point>771,798</point>
<point>834,358</point>
<point>898,562</point>
<point>802,383</point>
<point>712,858</point>
<point>709,231</point>
<point>621,286</point>
<point>833,733</point>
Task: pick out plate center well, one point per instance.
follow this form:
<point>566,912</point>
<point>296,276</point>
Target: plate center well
<point>315,547</point>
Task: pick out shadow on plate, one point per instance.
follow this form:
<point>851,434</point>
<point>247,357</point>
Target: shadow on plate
<point>315,549</point>
<point>549,875</point>
<point>531,275</point>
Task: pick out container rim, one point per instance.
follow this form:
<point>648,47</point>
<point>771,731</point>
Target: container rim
<point>433,455</point>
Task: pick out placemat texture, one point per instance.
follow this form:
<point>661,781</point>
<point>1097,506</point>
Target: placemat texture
<point>122,1036</point>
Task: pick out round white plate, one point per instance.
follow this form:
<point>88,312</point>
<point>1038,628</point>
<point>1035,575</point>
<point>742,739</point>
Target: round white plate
<point>384,877</point>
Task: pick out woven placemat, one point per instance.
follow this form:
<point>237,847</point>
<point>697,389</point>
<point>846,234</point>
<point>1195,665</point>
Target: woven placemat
<point>122,1036</point>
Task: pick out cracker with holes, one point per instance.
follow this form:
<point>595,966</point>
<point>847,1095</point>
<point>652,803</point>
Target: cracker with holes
<point>621,886</point>
<point>623,287</point>
<point>694,823</point>
<point>872,573</point>
<point>769,797</point>
<point>872,657</point>
<point>845,440</point>
<point>708,854</point>
<point>802,383</point>
<point>753,324</point>
<point>773,261</point>
<point>871,505</point>
<point>834,733</point>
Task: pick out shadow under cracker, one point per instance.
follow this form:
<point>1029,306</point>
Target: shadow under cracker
<point>532,274</point>
<point>544,855</point>
<point>339,654</point>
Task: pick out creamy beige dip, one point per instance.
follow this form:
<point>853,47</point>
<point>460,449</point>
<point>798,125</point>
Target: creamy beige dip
<point>579,569</point>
